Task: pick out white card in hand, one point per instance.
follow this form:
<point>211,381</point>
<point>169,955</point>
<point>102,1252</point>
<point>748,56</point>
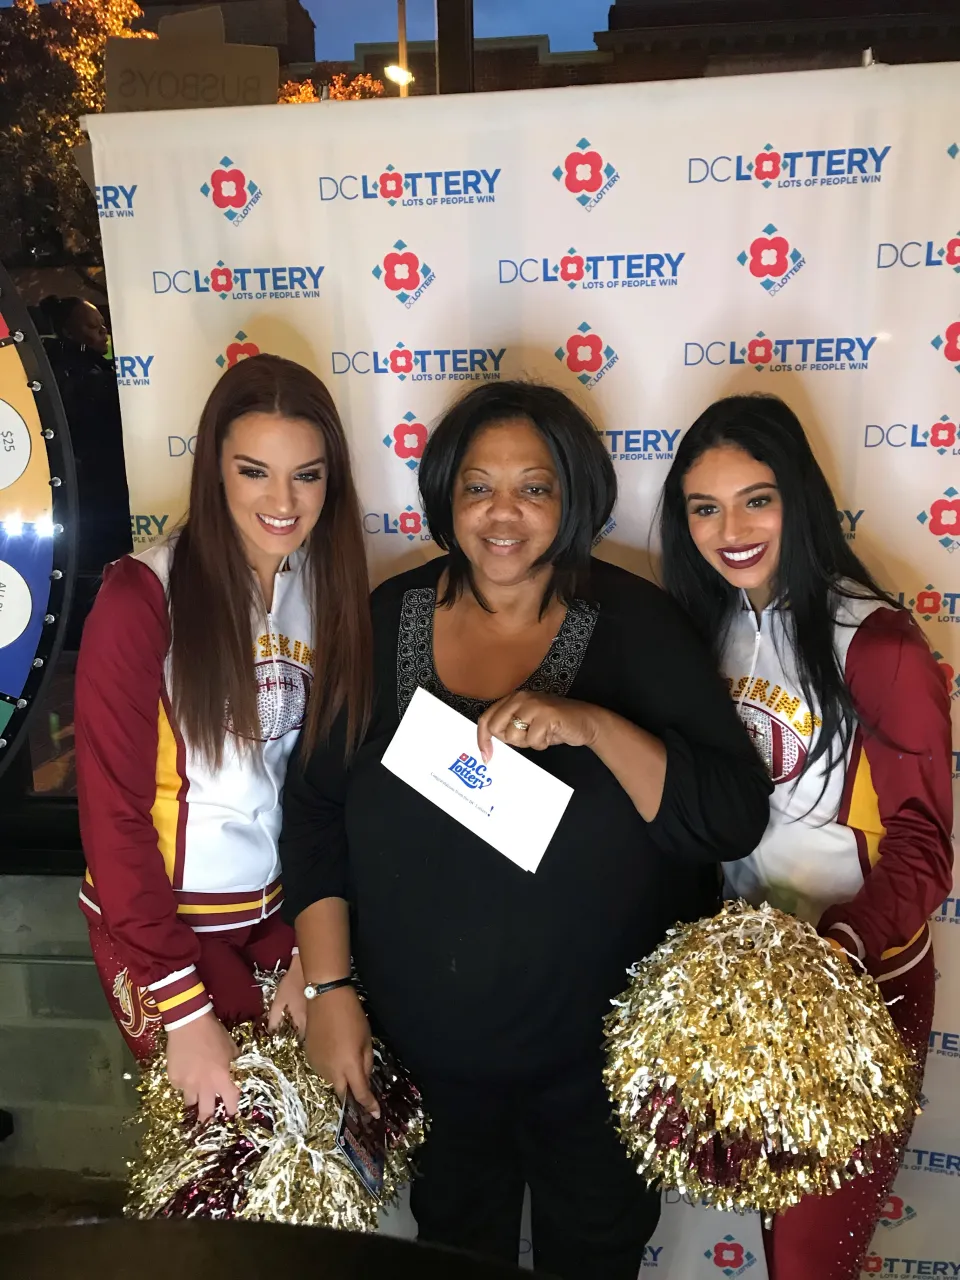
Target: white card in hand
<point>511,802</point>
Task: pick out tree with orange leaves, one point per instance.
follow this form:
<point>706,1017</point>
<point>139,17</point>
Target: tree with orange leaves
<point>51,73</point>
<point>298,91</point>
<point>340,89</point>
<point>361,86</point>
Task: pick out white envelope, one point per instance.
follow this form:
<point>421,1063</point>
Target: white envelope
<point>511,802</point>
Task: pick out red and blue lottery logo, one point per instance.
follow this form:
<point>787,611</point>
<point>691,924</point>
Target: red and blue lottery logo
<point>948,344</point>
<point>771,259</point>
<point>405,274</point>
<point>586,175</point>
<point>389,185</point>
<point>931,604</point>
<point>951,677</point>
<point>240,348</point>
<point>730,1256</point>
<point>409,524</point>
<point>231,191</point>
<point>896,1212</point>
<point>587,355</point>
<point>943,435</point>
<point>766,165</point>
<point>942,519</point>
<point>407,440</point>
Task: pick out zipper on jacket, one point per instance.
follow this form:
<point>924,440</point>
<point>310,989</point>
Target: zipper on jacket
<point>276,677</point>
<point>756,651</point>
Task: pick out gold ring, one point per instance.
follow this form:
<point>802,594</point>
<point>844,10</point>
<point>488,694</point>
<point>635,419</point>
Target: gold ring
<point>519,724</point>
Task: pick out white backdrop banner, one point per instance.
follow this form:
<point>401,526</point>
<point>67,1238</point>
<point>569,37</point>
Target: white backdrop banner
<point>647,248</point>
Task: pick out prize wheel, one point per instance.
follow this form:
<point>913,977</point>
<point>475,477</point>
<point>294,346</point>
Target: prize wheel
<point>38,519</point>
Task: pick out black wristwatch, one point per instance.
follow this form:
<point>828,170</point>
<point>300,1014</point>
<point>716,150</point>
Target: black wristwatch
<point>314,989</point>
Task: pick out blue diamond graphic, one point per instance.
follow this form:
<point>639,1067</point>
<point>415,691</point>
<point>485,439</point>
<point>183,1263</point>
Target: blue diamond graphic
<point>769,229</point>
<point>583,144</point>
<point>937,342</point>
<point>558,173</point>
<point>205,189</point>
<point>584,327</point>
<point>399,244</point>
<point>742,259</point>
<point>225,160</point>
<point>952,150</point>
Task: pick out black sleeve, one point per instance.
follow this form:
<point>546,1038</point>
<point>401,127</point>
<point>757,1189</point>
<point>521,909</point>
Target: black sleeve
<point>313,838</point>
<point>715,805</point>
<point>313,841</point>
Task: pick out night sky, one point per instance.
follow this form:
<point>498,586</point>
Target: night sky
<point>570,24</point>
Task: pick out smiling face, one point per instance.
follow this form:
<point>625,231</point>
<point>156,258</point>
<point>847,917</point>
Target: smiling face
<point>506,502</point>
<point>735,517</point>
<point>275,482</point>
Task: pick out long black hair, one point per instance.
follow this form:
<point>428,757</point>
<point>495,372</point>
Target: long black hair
<point>588,483</point>
<point>816,563</point>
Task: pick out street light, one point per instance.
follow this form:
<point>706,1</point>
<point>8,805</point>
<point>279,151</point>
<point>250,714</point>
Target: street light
<point>399,74</point>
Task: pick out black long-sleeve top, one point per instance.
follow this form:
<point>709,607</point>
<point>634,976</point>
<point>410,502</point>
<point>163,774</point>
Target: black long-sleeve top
<point>475,968</point>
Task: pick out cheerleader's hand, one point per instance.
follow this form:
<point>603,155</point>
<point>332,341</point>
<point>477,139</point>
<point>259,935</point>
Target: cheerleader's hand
<point>289,998</point>
<point>198,1064</point>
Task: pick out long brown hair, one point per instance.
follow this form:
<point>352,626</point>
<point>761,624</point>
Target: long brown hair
<point>212,589</point>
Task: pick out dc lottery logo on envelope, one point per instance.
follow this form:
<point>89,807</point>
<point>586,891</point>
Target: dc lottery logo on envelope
<point>471,772</point>
<point>512,803</point>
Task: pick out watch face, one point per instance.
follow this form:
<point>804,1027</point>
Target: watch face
<point>37,519</point>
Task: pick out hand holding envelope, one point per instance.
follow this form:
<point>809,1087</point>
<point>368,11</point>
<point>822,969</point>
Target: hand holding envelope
<point>547,721</point>
<point>507,800</point>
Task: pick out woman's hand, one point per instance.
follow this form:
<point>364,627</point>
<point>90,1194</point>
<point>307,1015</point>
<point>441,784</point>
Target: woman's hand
<point>289,998</point>
<point>635,757</point>
<point>339,1046</point>
<point>198,1064</point>
<point>552,722</point>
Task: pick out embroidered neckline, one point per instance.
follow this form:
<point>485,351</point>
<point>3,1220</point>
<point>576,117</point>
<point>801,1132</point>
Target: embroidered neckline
<point>415,666</point>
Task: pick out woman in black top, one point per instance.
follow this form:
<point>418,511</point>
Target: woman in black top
<point>491,982</point>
